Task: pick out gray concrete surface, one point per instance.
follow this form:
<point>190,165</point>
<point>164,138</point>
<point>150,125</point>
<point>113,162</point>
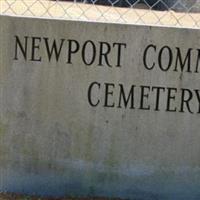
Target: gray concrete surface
<point>95,123</point>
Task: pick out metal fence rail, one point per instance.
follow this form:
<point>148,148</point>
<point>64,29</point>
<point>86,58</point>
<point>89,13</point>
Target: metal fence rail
<point>182,13</point>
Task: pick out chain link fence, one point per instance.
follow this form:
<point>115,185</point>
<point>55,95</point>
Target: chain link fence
<point>181,13</point>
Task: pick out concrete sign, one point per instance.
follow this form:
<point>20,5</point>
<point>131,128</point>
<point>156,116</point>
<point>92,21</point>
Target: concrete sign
<point>99,109</point>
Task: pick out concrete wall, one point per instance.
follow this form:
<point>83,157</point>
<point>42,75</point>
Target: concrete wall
<point>114,113</point>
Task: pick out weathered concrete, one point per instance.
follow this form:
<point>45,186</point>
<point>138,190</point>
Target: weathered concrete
<point>59,134</point>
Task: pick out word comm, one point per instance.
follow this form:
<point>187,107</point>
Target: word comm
<point>166,58</point>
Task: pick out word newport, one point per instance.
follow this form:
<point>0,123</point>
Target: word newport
<point>30,50</point>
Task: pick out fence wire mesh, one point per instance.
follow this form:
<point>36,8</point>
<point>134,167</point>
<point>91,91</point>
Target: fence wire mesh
<point>182,13</point>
